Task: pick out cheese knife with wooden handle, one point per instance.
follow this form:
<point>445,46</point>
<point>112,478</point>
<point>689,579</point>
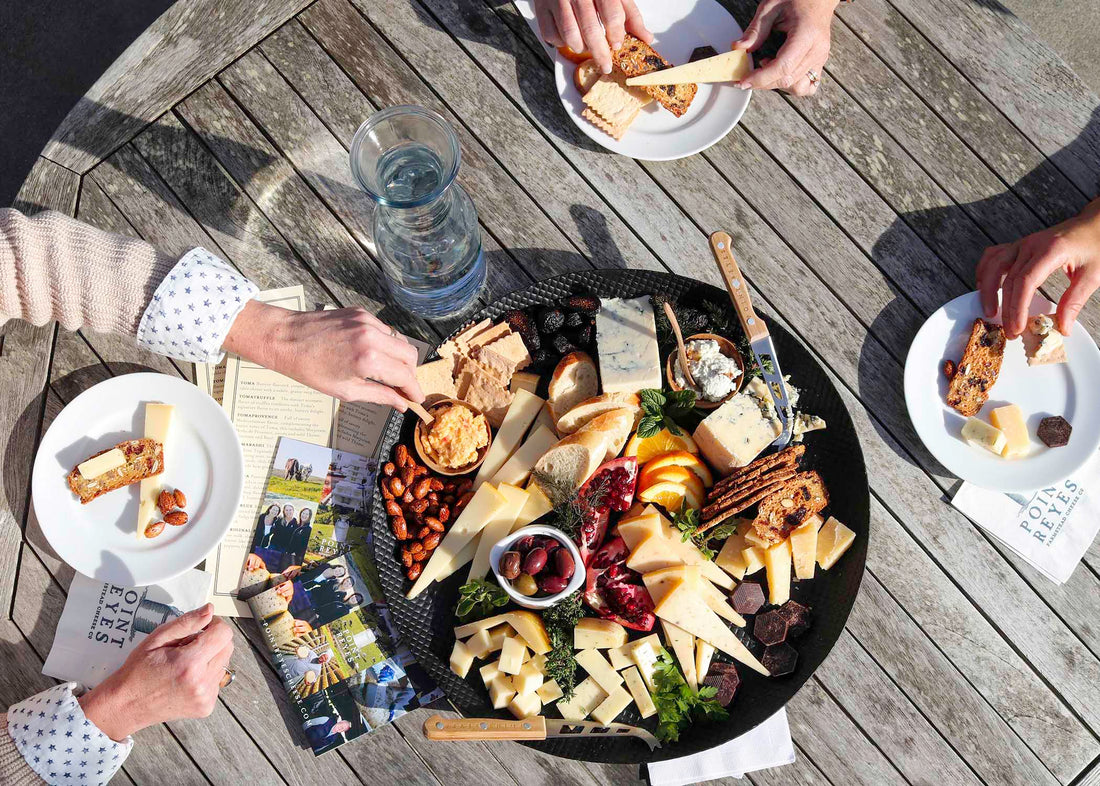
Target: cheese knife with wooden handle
<point>534,728</point>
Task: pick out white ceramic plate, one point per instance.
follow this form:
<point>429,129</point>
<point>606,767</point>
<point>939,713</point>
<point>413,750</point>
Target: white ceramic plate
<point>202,457</point>
<point>678,26</point>
<point>1067,389</point>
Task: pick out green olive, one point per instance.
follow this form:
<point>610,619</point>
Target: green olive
<point>525,584</point>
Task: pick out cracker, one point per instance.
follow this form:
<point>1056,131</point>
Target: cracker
<point>487,395</point>
<point>612,101</point>
<point>512,348</point>
<point>495,365</point>
<point>488,336</point>
<point>437,378</point>
<point>603,125</point>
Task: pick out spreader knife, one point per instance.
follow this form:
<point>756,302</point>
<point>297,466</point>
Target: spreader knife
<point>535,728</point>
<point>760,341</point>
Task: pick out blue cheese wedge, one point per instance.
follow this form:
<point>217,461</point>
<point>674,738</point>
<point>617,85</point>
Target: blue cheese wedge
<point>627,336</point>
<point>736,433</point>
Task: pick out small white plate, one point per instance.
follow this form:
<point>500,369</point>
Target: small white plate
<point>202,457</point>
<point>1066,389</point>
<point>678,26</point>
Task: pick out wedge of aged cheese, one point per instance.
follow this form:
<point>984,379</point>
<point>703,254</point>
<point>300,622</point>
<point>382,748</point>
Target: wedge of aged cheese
<point>683,647</point>
<point>587,695</point>
<point>527,624</point>
<point>592,633</point>
<point>726,67</point>
<point>659,582</point>
<point>730,559</point>
<point>832,541</point>
<point>483,506</point>
<point>704,653</point>
<point>627,336</point>
<point>498,526</point>
<point>517,468</point>
<point>685,609</point>
<point>777,560</point>
<point>736,433</point>
<point>521,414</point>
<point>538,505</point>
<point>609,709</point>
<point>1010,420</point>
<point>979,434</point>
<point>804,548</point>
<point>754,559</point>
<point>636,685</point>
<point>599,669</point>
<point>158,422</point>
<point>104,462</point>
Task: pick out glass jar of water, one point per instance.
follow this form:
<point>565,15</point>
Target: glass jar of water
<point>425,225</point>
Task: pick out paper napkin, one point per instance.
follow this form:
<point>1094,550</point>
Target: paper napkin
<point>768,745</point>
<point>1051,528</point>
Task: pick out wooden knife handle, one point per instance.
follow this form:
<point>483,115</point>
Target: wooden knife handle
<point>456,729</point>
<point>721,244</point>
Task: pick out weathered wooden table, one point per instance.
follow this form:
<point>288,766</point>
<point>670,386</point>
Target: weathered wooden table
<point>941,127</point>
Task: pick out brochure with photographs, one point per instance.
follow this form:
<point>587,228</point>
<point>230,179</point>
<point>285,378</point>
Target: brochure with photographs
<point>311,584</point>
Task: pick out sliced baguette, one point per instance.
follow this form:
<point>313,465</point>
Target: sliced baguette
<point>575,379</point>
<point>572,461</point>
<point>615,426</point>
<point>583,412</point>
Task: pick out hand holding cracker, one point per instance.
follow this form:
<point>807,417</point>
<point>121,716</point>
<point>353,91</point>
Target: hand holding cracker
<point>594,26</point>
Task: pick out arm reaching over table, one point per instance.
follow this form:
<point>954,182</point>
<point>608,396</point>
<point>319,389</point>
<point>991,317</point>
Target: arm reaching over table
<point>192,308</point>
<point>1018,270</point>
<point>797,67</point>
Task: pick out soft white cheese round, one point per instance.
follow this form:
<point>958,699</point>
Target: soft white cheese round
<point>715,374</point>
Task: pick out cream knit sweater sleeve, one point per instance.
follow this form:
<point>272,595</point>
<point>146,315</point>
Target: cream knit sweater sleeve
<point>55,267</point>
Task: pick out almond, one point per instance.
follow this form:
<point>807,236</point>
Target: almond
<point>181,498</point>
<point>154,529</point>
<point>176,518</point>
<point>166,502</point>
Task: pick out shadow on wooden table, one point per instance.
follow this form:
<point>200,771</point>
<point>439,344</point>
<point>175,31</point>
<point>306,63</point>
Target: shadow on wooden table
<point>1050,194</point>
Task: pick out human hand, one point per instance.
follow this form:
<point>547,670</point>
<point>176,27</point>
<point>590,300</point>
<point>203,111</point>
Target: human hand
<point>285,591</point>
<point>301,627</point>
<point>291,571</point>
<point>577,24</point>
<point>807,25</point>
<point>347,353</point>
<point>1018,269</point>
<point>253,562</point>
<point>174,673</point>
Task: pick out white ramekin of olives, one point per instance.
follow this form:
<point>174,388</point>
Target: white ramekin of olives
<point>537,566</point>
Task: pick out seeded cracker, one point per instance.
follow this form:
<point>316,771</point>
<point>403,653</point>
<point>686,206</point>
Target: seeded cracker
<point>636,57</point>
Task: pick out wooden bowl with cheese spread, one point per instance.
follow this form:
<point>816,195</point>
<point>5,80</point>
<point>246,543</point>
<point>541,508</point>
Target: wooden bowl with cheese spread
<point>727,348</point>
<point>428,455</point>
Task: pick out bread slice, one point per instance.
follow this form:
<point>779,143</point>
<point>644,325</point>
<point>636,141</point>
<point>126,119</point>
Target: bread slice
<point>788,508</point>
<point>570,462</point>
<point>574,380</point>
<point>635,57</point>
<point>583,412</point>
<point>586,74</point>
<point>144,459</point>
<point>977,371</point>
<point>615,426</point>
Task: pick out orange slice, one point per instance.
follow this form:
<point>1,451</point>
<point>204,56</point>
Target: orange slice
<point>664,441</point>
<point>674,474</point>
<point>671,496</point>
<point>678,458</point>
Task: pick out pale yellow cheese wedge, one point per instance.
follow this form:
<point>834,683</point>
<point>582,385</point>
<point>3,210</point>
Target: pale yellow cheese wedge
<point>979,434</point>
<point>777,560</point>
<point>683,646</point>
<point>498,526</point>
<point>684,608</point>
<point>1010,420</point>
<point>636,685</point>
<point>832,541</point>
<point>804,548</point>
<point>158,422</point>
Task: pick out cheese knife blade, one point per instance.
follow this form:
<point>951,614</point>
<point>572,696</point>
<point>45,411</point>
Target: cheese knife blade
<point>534,728</point>
<point>726,67</point>
<point>563,728</point>
<point>760,340</point>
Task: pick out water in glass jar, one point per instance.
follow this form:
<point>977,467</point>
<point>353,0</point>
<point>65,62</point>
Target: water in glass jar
<point>432,251</point>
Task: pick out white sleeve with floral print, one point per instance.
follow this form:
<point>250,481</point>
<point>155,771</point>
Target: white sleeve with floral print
<point>193,308</point>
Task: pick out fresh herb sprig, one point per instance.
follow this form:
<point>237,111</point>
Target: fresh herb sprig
<point>686,520</point>
<point>678,706</point>
<point>559,621</point>
<point>477,598</point>
<point>569,508</point>
<point>661,410</point>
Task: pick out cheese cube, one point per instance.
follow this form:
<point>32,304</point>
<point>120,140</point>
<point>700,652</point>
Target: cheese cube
<point>461,659</point>
<point>525,705</point>
<point>592,633</point>
<point>599,669</point>
<point>626,333</point>
<point>501,691</point>
<point>549,692</point>
<point>539,662</point>
<point>754,559</point>
<point>489,672</point>
<point>481,644</point>
<point>777,559</point>
<point>1010,420</point>
<point>587,695</point>
<point>638,690</point>
<point>804,549</point>
<point>524,380</point>
<point>704,653</point>
<point>979,434</point>
<point>832,541</point>
<point>609,709</point>
<point>104,462</point>
<point>645,658</point>
<point>511,655</point>
<point>753,538</point>
<point>528,680</point>
<point>736,433</point>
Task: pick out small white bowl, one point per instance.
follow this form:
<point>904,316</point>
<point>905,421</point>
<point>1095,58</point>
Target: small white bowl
<point>505,544</point>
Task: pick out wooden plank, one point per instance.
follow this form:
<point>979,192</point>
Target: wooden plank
<point>803,772</point>
<point>187,45</point>
<point>1022,76</point>
<point>982,126</point>
<point>942,693</point>
<point>471,762</point>
<point>48,187</point>
<point>316,235</point>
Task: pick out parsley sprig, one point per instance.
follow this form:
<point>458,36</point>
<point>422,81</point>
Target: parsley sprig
<point>477,598</point>
<point>678,706</point>
<point>686,520</point>
<point>661,410</point>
